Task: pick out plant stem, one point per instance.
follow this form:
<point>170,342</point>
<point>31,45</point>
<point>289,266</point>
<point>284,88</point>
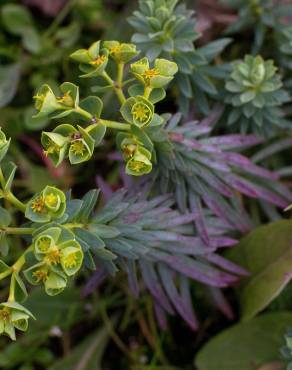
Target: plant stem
<point>17,230</point>
<point>120,75</point>
<point>8,195</point>
<point>147,91</point>
<point>16,267</point>
<point>73,225</point>
<point>83,113</point>
<point>2,180</point>
<point>118,89</point>
<point>11,297</point>
<point>114,124</point>
<point>16,202</point>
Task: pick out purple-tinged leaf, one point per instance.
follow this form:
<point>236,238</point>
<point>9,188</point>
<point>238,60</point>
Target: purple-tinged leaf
<point>226,264</point>
<point>272,149</point>
<point>214,116</point>
<point>187,299</point>
<point>161,316</point>
<point>221,302</point>
<point>94,281</point>
<point>245,164</point>
<point>104,187</point>
<point>167,280</point>
<point>196,270</point>
<point>196,207</point>
<point>234,141</point>
<point>151,281</point>
<point>132,278</point>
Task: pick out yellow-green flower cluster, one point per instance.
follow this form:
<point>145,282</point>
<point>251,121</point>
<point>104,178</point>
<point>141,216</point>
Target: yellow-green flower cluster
<point>47,205</point>
<point>59,256</point>
<point>66,141</point>
<point>13,316</point>
<point>137,157</point>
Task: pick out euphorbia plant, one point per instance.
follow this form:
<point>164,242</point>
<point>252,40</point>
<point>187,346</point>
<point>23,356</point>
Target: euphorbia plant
<point>205,174</point>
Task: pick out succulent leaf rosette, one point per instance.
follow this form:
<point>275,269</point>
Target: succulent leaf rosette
<point>160,75</point>
<point>47,205</point>
<point>121,52</point>
<point>254,93</point>
<point>59,255</point>
<point>13,316</point>
<point>93,60</point>
<point>167,29</point>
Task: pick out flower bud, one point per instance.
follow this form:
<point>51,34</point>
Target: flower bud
<point>156,77</point>
<point>121,52</point>
<point>93,61</point>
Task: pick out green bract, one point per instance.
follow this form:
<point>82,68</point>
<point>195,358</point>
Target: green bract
<point>4,144</point>
<point>254,91</point>
<point>121,52</point>
<point>140,162</point>
<point>138,111</point>
<point>45,206</point>
<point>128,147</point>
<point>47,103</point>
<point>158,76</point>
<point>13,316</point>
<point>81,146</point>
<point>59,255</point>
<point>93,60</point>
<point>55,146</point>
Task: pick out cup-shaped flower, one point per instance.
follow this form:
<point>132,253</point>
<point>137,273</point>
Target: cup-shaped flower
<point>47,205</point>
<point>46,102</point>
<point>56,281</point>
<point>81,146</point>
<point>140,163</point>
<point>37,274</point>
<point>4,144</point>
<point>71,256</point>
<point>138,111</point>
<point>13,316</point>
<point>120,52</point>
<point>52,277</point>
<point>93,60</point>
<point>158,76</point>
<point>55,146</point>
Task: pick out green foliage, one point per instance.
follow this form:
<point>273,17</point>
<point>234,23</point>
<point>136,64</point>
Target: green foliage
<point>267,19</point>
<point>246,346</point>
<point>253,94</point>
<point>270,266</point>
